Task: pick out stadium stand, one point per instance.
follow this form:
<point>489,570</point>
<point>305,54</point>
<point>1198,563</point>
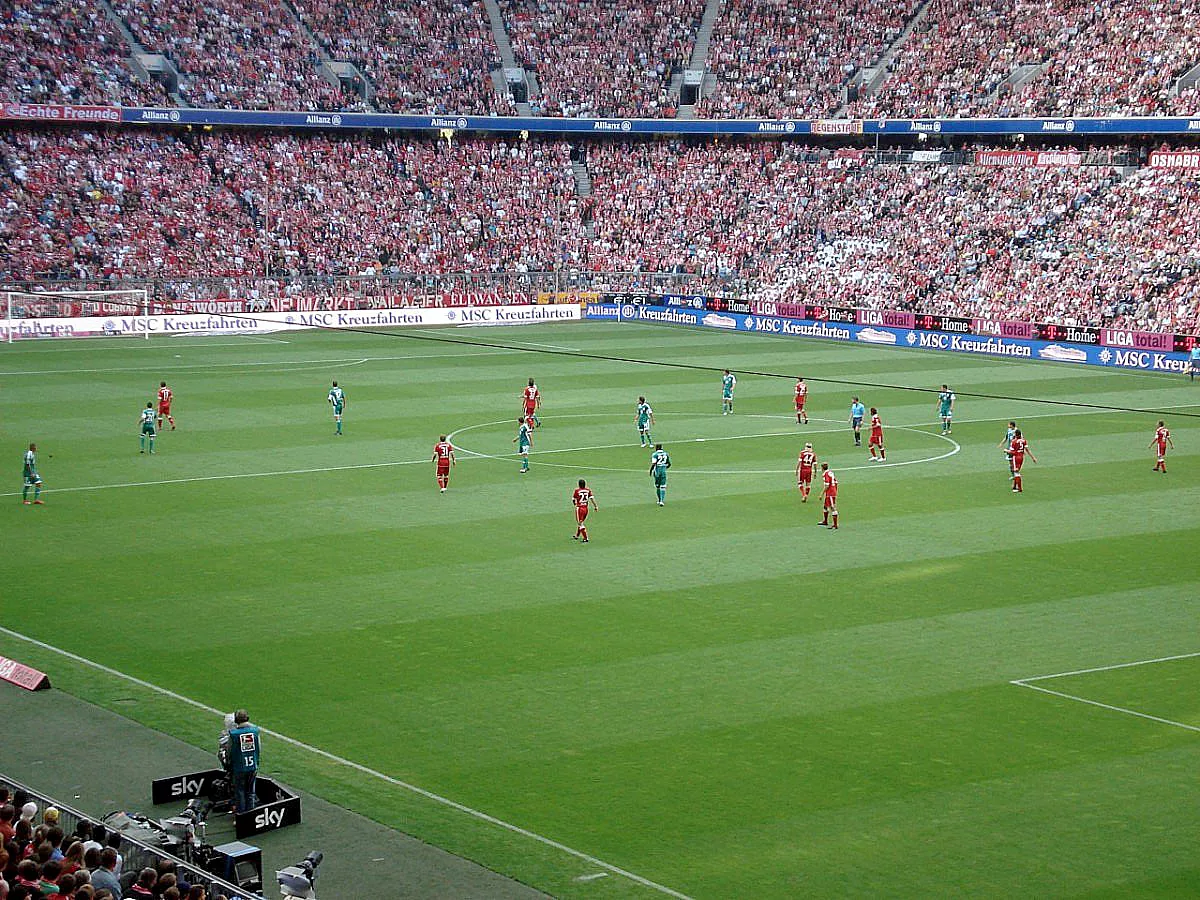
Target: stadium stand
<point>1073,58</point>
<point>433,57</point>
<point>596,58</point>
<point>67,52</point>
<point>247,54</point>
<point>803,224</point>
<point>773,59</point>
<point>56,852</point>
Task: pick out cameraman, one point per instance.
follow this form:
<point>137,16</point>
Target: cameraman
<point>245,742</point>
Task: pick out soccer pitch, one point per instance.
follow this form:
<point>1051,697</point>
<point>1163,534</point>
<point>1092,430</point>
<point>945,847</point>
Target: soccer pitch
<point>711,699</point>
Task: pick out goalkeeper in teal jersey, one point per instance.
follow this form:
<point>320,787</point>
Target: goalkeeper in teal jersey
<point>660,461</point>
<point>149,431</point>
<point>31,478</point>
<point>645,418</point>
<point>337,399</point>
<point>728,383</point>
<point>524,440</point>
<point>945,407</point>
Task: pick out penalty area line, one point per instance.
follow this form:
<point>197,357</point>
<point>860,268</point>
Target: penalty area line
<point>357,767</point>
<point>1028,683</point>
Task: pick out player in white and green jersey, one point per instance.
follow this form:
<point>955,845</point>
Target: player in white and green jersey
<point>945,407</point>
<point>524,440</point>
<point>728,383</point>
<point>149,431</point>
<point>31,478</point>
<point>660,461</point>
<point>337,399</point>
<point>645,418</point>
<point>1006,444</point>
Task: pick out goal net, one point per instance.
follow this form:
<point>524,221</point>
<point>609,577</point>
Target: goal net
<point>32,314</point>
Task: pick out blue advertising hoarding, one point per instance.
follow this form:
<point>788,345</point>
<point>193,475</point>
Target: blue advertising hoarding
<point>979,345</point>
<point>767,127</point>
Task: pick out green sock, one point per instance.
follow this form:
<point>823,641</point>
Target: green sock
<point>662,494</point>
<point>25,492</point>
<point>37,491</point>
<point>142,441</point>
<point>151,443</point>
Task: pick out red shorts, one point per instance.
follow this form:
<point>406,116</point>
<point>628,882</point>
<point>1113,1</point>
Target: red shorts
<point>1162,449</point>
<point>830,501</point>
<point>805,477</point>
<point>530,408</point>
<point>876,437</point>
<point>800,402</point>
<point>580,513</point>
<point>1017,462</point>
<point>164,409</point>
<point>443,467</point>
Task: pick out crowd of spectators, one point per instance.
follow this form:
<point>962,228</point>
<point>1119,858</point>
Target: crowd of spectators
<point>1094,59</point>
<point>1129,258</point>
<point>67,51</point>
<point>1123,62</point>
<point>955,61</point>
<point>432,58</point>
<point>775,59</point>
<point>111,205</point>
<point>1067,242</point>
<point>245,54</point>
<point>599,58</point>
<point>40,861</point>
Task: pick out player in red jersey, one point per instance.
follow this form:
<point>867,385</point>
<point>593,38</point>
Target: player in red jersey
<point>1017,451</point>
<point>804,471</point>
<point>164,405</point>
<point>531,400</point>
<point>1162,439</point>
<point>443,455</point>
<point>582,499</point>
<point>801,399</point>
<point>876,439</point>
<point>829,496</point>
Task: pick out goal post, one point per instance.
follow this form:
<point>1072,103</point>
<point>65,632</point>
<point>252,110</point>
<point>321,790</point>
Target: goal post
<point>24,305</point>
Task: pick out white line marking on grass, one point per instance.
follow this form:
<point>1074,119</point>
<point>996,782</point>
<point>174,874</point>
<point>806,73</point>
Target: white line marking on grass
<point>1026,683</point>
<point>195,478</point>
<point>1127,665</point>
<point>955,448</point>
<point>1120,709</point>
<point>359,767</point>
<point>592,877</point>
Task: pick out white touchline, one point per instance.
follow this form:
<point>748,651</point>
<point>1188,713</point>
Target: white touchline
<point>1026,683</point>
<point>358,767</point>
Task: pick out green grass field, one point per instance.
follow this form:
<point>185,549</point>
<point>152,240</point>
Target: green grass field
<point>716,696</point>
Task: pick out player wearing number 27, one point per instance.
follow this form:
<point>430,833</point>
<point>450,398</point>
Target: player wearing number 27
<point>582,500</point>
<point>443,455</point>
<point>1162,440</point>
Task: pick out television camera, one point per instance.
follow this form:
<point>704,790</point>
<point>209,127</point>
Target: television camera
<point>300,880</point>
